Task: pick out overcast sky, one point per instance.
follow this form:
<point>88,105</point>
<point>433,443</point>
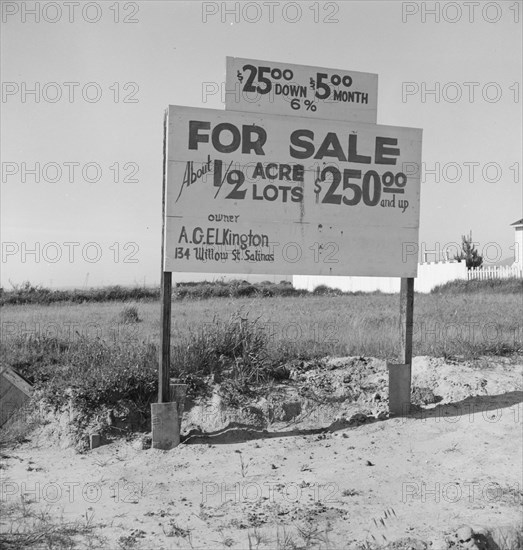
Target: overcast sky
<point>104,72</point>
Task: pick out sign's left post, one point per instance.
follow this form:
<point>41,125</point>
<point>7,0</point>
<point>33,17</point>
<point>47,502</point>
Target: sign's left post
<point>165,291</point>
<point>165,426</point>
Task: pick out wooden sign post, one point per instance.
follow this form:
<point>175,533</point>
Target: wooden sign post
<point>165,417</point>
<point>406,319</point>
<point>165,296</point>
<point>165,338</point>
<point>400,374</point>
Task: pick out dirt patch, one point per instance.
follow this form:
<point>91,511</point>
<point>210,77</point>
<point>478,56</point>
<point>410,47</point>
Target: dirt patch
<point>313,462</point>
<point>316,394</point>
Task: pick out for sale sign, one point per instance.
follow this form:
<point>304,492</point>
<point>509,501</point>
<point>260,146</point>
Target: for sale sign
<point>300,90</point>
<point>263,194</point>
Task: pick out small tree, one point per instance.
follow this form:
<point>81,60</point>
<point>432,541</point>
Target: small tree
<point>469,252</point>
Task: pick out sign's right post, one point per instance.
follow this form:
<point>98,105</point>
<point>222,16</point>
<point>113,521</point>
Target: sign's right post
<point>400,375</point>
<point>406,319</point>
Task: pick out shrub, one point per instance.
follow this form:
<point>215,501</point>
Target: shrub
<point>236,348</point>
<point>243,289</point>
<point>324,290</point>
<point>31,294</point>
<point>510,285</point>
<point>129,314</point>
<point>469,252</point>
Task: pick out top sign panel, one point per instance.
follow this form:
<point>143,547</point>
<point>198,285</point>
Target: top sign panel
<point>285,89</point>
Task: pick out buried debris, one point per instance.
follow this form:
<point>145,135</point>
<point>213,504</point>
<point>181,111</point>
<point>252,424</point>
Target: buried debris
<point>15,391</point>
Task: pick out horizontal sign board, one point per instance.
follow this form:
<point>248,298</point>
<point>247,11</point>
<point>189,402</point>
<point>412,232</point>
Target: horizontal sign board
<point>262,194</point>
<point>286,89</point>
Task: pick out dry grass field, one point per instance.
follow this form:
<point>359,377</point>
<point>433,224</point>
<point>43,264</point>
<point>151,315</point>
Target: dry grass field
<point>444,324</point>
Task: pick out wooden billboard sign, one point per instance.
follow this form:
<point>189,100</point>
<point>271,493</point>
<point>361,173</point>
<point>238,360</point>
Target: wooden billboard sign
<point>294,177</point>
<point>300,90</point>
<point>266,194</point>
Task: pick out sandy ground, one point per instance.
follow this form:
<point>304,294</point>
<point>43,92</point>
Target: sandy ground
<point>370,481</point>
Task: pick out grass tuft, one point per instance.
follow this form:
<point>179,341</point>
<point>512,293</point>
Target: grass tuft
<point>129,314</point>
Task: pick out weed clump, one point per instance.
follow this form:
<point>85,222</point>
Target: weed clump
<point>235,349</point>
<point>324,290</point>
<point>129,314</point>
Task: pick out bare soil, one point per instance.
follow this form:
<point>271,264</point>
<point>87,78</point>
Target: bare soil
<point>313,462</point>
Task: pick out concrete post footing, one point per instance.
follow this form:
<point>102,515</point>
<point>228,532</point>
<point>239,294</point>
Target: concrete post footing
<point>165,426</point>
<point>399,389</point>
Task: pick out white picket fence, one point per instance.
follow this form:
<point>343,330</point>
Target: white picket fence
<point>495,272</point>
